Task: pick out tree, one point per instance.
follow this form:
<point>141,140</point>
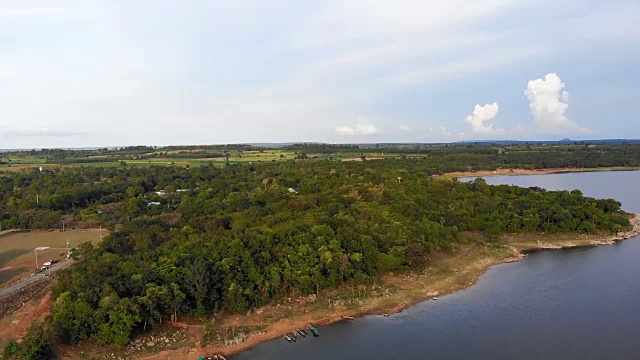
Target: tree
<point>36,344</point>
<point>10,349</point>
<point>155,303</point>
<point>123,317</point>
<point>178,298</point>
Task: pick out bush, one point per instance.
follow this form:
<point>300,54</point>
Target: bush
<point>36,344</point>
<point>11,349</point>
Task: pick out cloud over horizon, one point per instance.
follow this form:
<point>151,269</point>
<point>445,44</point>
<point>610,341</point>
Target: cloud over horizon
<point>300,71</point>
<point>363,127</point>
<point>480,117</point>
<point>549,103</point>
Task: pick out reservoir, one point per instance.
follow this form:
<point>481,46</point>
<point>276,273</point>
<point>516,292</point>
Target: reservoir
<point>558,304</point>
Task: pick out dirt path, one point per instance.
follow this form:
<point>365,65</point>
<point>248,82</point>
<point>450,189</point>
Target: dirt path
<point>32,279</point>
<point>15,325</point>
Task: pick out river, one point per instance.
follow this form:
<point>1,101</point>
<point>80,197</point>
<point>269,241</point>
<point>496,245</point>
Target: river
<point>559,304</point>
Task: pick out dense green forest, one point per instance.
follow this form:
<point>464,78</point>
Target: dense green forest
<point>237,237</point>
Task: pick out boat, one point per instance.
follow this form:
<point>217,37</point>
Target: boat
<point>215,357</point>
<point>301,333</point>
<point>347,317</point>
<point>435,298</point>
<point>293,338</point>
<point>221,357</point>
<point>314,330</point>
<point>286,337</point>
<point>385,314</point>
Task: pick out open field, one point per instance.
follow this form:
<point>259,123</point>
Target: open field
<point>17,257</point>
<point>169,158</point>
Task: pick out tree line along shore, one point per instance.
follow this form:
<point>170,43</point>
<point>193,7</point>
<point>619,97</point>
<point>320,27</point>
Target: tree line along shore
<point>209,240</point>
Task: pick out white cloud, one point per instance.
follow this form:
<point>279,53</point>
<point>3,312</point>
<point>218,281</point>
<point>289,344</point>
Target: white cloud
<point>127,73</point>
<point>363,127</point>
<point>405,128</point>
<point>451,69</point>
<point>548,104</point>
<point>441,134</point>
<point>345,130</point>
<point>344,21</point>
<point>480,117</point>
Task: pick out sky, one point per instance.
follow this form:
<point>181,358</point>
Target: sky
<point>85,73</point>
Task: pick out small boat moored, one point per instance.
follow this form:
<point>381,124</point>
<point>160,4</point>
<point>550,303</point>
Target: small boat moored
<point>314,330</point>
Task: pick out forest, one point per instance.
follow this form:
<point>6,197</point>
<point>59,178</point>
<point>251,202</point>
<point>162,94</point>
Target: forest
<point>236,237</point>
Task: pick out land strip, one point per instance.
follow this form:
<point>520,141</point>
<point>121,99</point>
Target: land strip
<point>509,171</point>
<point>446,271</point>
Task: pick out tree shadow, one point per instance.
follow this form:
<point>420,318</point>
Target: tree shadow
<point>9,255</point>
<point>6,275</point>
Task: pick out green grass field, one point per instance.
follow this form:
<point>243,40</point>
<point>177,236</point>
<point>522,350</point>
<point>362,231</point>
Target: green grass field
<point>16,163</point>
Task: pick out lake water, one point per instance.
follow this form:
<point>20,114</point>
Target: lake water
<point>567,304</point>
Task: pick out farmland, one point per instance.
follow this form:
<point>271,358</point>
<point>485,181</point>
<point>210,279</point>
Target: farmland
<point>181,157</point>
<point>17,257</point>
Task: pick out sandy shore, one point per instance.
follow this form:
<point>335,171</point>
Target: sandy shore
<point>446,273</point>
<point>499,172</point>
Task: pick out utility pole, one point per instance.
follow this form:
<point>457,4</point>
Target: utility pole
<point>40,248</point>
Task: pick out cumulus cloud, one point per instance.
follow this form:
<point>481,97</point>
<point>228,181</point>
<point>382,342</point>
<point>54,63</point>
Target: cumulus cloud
<point>404,128</point>
<point>363,127</point>
<point>549,103</point>
<point>345,130</point>
<point>441,134</point>
<point>479,118</point>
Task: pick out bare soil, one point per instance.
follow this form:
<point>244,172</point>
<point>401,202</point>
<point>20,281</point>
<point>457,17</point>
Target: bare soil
<point>33,307</point>
<point>17,257</point>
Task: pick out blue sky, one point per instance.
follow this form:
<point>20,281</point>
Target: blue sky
<point>102,73</point>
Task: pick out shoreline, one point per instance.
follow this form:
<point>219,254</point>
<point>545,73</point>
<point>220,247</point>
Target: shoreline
<point>413,288</point>
<point>520,171</point>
